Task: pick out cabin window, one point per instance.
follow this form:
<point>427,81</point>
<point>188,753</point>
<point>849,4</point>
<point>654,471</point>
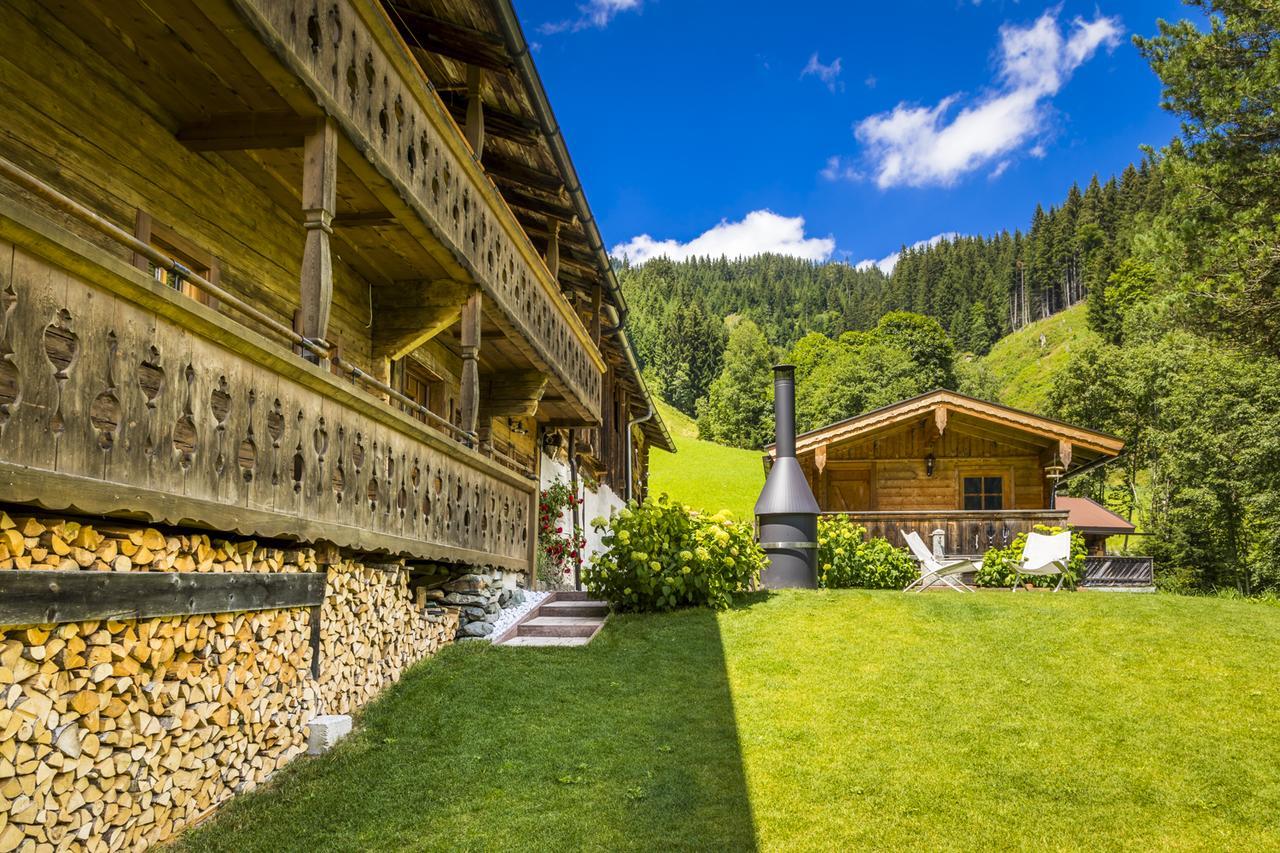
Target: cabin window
<point>982,493</point>
<point>424,388</point>
<point>168,242</point>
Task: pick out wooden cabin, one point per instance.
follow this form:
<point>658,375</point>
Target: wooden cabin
<point>977,471</point>
<point>312,272</point>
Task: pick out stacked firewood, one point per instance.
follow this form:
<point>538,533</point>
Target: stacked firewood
<point>373,628</point>
<point>117,734</point>
<point>33,543</point>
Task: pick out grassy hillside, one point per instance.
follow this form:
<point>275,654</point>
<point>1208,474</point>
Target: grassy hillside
<point>1025,368</point>
<point>702,474</point>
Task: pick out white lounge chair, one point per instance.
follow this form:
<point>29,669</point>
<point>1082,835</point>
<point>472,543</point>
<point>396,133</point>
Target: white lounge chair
<point>1044,555</point>
<point>932,570</point>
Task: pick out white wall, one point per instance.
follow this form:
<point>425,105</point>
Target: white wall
<point>602,503</point>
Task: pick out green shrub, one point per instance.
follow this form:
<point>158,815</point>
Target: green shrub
<point>662,555</point>
<point>999,565</point>
<point>847,559</point>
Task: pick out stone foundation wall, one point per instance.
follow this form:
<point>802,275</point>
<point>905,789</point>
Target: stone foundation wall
<point>118,734</point>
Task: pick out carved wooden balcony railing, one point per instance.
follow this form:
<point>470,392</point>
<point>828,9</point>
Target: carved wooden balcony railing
<point>967,532</point>
<point>356,67</point>
<point>121,396</point>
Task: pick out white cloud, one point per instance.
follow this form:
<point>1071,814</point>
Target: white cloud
<point>593,13</point>
<point>838,169</point>
<point>999,169</point>
<point>828,74</point>
<point>921,146</point>
<point>756,233</point>
<point>888,262</point>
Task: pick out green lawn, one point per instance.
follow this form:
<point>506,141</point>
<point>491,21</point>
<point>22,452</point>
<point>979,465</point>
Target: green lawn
<point>818,721</point>
<point>703,474</point>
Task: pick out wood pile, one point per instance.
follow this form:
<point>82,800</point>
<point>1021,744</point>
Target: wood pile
<point>373,628</point>
<point>116,735</point>
<point>33,543</point>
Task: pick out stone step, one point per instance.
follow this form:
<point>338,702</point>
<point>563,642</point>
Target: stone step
<point>547,641</point>
<point>575,608</point>
<point>560,626</point>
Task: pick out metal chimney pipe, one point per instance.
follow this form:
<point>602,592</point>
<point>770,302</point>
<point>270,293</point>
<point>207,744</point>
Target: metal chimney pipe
<point>786,512</point>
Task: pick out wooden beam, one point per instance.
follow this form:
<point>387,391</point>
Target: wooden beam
<point>940,419</point>
<point>53,597</point>
<point>500,166</point>
<point>456,41</point>
<point>1064,452</point>
<point>498,122</point>
<point>475,111</point>
<point>469,395</point>
<point>407,314</point>
<point>555,210</point>
<point>512,394</point>
<point>364,219</point>
<point>319,193</point>
<point>247,131</point>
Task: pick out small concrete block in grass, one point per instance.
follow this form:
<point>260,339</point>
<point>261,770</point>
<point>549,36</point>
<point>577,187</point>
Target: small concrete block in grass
<point>326,730</point>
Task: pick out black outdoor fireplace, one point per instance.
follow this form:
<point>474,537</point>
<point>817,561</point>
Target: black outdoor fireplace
<point>786,510</point>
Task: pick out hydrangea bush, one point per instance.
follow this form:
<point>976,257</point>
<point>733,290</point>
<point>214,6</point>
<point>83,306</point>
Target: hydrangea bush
<point>848,559</point>
<point>999,565</point>
<point>662,555</point>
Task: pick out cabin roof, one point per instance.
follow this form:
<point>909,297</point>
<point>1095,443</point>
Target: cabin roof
<point>1088,516</point>
<point>525,154</point>
<point>1086,446</point>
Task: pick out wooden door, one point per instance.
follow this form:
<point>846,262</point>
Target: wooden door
<point>849,490</point>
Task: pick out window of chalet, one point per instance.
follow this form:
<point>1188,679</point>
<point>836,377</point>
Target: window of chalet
<point>165,240</point>
<point>983,493</point>
<point>426,389</point>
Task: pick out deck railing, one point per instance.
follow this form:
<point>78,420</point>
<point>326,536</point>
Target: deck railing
<point>966,532</point>
<point>119,395</point>
<point>353,62</point>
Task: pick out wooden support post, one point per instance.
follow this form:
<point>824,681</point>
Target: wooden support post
<point>597,309</point>
<point>319,192</point>
<point>470,391</point>
<point>475,111</point>
<point>553,250</point>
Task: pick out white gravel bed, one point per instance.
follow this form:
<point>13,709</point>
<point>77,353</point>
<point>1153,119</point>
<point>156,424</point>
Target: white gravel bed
<point>511,615</point>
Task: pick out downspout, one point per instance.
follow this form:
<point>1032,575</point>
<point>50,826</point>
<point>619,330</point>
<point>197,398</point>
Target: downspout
<point>630,449</point>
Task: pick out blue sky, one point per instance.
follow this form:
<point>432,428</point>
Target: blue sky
<point>840,129</point>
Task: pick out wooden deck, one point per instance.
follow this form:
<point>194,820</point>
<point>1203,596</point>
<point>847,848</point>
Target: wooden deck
<point>967,532</point>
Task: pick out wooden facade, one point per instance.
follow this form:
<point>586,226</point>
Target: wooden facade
<point>979,472</point>
<point>256,275</point>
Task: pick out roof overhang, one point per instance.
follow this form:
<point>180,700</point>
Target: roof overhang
<point>1076,446</point>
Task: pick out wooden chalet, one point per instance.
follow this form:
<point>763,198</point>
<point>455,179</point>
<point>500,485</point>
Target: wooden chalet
<point>978,471</point>
<point>320,272</point>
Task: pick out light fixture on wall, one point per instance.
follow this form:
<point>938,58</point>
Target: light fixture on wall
<point>928,465</point>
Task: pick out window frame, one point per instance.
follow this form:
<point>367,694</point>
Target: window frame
<point>165,239</point>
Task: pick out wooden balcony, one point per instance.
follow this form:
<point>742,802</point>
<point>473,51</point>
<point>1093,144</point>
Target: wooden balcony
<point>120,396</point>
<point>352,63</point>
<point>967,532</point>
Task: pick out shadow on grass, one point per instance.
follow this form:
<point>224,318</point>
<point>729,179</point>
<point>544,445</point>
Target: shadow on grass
<point>629,743</point>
